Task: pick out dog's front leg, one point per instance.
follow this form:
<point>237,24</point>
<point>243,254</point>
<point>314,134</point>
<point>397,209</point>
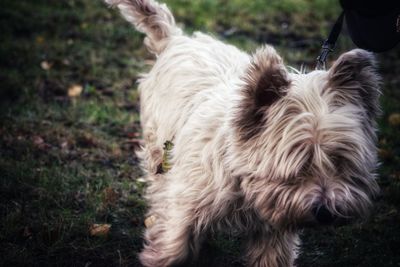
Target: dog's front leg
<point>272,249</point>
<point>169,240</point>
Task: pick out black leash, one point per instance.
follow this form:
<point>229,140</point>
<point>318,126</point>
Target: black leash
<point>330,43</point>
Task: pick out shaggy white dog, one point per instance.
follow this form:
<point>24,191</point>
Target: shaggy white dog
<point>257,150</point>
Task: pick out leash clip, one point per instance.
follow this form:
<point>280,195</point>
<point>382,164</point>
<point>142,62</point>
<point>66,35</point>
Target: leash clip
<point>329,43</point>
<point>321,59</point>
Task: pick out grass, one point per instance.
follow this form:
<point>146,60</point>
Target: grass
<point>68,162</point>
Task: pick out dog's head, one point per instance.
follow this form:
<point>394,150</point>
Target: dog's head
<point>305,144</point>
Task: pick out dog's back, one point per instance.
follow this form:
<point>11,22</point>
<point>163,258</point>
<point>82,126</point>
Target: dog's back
<point>188,72</point>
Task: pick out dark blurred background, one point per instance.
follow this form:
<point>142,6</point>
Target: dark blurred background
<point>70,186</point>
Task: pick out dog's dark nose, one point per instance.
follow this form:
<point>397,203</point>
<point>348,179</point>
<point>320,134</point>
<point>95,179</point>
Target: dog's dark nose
<point>323,215</point>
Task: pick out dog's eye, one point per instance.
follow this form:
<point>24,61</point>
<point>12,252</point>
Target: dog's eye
<point>336,160</point>
<point>338,163</point>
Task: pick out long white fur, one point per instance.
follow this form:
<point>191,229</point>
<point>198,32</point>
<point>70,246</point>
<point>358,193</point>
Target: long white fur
<point>259,187</point>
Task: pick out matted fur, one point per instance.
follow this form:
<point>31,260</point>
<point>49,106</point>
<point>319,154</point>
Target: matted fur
<point>257,150</point>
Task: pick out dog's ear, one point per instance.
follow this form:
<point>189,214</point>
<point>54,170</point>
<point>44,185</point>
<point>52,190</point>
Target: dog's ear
<point>265,82</point>
<point>354,78</point>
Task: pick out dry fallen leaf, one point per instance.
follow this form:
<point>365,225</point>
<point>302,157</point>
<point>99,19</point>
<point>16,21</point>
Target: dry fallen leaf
<point>394,119</point>
<point>110,196</point>
<point>39,39</point>
<point>149,221</point>
<point>37,140</point>
<point>40,143</point>
<point>75,90</point>
<point>99,229</point>
<point>45,65</point>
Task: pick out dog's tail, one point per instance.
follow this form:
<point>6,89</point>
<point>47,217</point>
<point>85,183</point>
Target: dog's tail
<point>152,18</point>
